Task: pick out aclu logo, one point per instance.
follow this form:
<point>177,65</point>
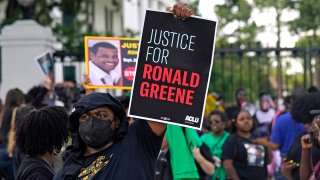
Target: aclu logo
<point>165,118</point>
<point>192,119</point>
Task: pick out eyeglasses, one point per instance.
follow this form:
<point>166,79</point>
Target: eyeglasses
<point>214,122</point>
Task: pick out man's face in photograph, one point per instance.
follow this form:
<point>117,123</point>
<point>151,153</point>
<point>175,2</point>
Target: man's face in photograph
<point>105,58</point>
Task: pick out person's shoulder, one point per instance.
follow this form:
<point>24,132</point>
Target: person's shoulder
<point>7,114</point>
<point>285,115</point>
<point>39,176</point>
<point>34,168</point>
<point>255,135</point>
<point>136,123</point>
<point>271,110</point>
<point>232,137</point>
<point>282,118</point>
<point>116,75</point>
<point>139,125</point>
<point>205,135</point>
<point>71,167</point>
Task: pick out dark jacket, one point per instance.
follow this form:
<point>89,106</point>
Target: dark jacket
<point>73,158</point>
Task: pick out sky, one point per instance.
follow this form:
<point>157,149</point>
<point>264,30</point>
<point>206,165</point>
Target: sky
<point>266,18</point>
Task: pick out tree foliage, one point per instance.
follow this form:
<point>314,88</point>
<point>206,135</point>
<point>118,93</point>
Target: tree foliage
<point>305,41</point>
<point>40,14</point>
<point>279,6</point>
<point>308,19</point>
<point>235,70</point>
<point>237,12</point>
<point>69,32</point>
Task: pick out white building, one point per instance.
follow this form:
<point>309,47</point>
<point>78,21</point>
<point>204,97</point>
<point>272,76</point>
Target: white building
<point>134,12</point>
<point>116,18</point>
<point>104,16</point>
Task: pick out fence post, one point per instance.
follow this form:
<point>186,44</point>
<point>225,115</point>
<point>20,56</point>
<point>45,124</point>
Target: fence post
<point>305,68</point>
<point>279,73</point>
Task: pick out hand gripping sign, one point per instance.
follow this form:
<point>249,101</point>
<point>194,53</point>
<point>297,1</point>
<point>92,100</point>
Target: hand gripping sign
<point>173,69</point>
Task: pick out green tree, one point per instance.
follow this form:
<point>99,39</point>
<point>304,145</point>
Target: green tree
<point>237,12</point>
<point>279,6</point>
<point>70,32</point>
<point>194,5</point>
<point>232,70</point>
<point>307,21</point>
<point>235,70</point>
<point>40,14</point>
<point>305,41</point>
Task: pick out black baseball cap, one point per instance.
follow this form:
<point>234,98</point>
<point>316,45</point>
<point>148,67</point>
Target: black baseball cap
<point>315,111</point>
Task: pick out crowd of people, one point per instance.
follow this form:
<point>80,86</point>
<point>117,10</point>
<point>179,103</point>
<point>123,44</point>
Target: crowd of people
<point>97,140</point>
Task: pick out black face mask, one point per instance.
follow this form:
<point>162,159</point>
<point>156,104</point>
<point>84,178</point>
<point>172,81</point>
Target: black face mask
<point>96,133</point>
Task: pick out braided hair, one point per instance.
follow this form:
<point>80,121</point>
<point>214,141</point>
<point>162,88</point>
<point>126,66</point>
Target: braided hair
<point>43,131</point>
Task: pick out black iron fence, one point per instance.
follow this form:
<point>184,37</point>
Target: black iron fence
<point>277,71</point>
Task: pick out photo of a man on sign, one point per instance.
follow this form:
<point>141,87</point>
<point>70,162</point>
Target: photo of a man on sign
<point>46,63</point>
<point>104,63</point>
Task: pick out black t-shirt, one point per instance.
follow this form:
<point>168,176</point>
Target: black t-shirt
<point>295,155</point>
<point>32,168</point>
<point>134,157</point>
<point>249,159</point>
<point>163,166</point>
<point>17,159</point>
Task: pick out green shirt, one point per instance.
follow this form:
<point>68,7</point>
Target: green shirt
<point>215,144</point>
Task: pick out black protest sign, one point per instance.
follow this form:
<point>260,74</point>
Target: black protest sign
<point>129,51</point>
<point>173,69</point>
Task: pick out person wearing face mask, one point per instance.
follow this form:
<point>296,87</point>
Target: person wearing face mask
<point>264,115</point>
<point>40,136</point>
<point>215,139</point>
<point>242,104</point>
<point>105,147</point>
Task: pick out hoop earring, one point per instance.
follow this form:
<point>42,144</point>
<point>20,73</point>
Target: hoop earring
<point>55,152</point>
